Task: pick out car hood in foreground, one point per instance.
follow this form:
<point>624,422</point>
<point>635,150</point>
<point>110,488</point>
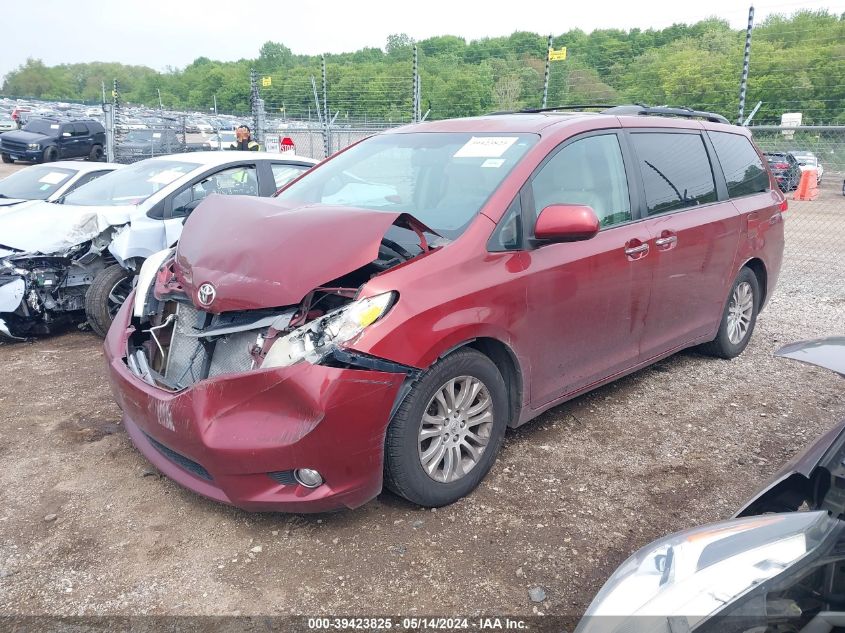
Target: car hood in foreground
<point>259,253</point>
<point>48,228</point>
<point>817,475</point>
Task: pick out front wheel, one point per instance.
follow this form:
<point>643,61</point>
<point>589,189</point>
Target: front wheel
<point>444,437</point>
<point>738,318</point>
<point>50,155</point>
<point>106,294</point>
<point>6,158</point>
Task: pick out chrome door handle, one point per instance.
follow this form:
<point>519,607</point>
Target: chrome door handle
<point>636,250</point>
<point>666,241</point>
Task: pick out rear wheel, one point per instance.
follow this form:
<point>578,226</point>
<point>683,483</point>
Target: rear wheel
<point>106,294</point>
<point>50,155</point>
<point>739,317</point>
<point>445,435</point>
<point>96,153</point>
<point>6,158</point>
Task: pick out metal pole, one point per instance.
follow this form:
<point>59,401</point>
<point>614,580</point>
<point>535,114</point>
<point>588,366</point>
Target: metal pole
<point>215,105</point>
<point>743,82</point>
<point>416,106</point>
<point>160,105</point>
<point>546,76</point>
<point>253,97</point>
<point>325,92</point>
<point>320,117</point>
<point>104,91</point>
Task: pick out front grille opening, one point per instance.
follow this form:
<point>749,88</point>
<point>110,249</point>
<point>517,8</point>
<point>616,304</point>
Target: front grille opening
<point>284,477</point>
<point>180,460</point>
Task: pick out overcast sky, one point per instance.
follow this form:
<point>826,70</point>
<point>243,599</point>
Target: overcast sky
<point>158,34</point>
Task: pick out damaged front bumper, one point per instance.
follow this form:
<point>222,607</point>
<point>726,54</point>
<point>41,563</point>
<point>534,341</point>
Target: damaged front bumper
<point>238,437</point>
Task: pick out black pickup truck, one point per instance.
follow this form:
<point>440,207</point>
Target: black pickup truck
<point>46,140</point>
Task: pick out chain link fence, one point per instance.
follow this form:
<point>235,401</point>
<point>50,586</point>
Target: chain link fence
<point>814,255</point>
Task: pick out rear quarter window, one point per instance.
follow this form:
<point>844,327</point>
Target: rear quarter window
<point>744,172</point>
<point>676,170</point>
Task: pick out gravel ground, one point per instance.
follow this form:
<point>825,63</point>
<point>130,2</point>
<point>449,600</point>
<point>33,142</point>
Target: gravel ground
<point>88,527</point>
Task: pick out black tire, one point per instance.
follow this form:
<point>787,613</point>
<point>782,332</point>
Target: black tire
<point>100,305</point>
<point>403,470</point>
<point>722,346</point>
<point>96,153</point>
<point>49,155</point>
<point>7,159</point>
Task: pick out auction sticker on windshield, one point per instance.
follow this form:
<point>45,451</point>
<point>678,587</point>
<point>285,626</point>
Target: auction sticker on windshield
<point>53,178</point>
<point>486,146</point>
<point>165,177</point>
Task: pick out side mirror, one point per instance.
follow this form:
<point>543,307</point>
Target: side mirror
<point>566,223</point>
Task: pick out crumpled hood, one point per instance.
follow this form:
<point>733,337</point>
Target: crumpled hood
<point>259,253</point>
<point>54,228</point>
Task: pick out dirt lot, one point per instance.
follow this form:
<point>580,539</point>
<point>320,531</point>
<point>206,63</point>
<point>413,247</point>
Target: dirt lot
<point>87,526</point>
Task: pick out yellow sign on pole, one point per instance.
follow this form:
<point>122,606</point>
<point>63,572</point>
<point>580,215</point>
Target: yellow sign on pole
<point>557,55</point>
<point>266,82</point>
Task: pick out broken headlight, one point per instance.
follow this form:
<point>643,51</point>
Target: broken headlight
<point>316,339</point>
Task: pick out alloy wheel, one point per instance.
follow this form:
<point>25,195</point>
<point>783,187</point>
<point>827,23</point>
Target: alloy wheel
<point>740,311</point>
<point>455,429</point>
<point>118,294</point>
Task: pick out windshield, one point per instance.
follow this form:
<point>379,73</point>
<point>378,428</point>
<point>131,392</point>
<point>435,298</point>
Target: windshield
<point>130,185</point>
<point>40,126</point>
<point>34,183</point>
<point>442,179</point>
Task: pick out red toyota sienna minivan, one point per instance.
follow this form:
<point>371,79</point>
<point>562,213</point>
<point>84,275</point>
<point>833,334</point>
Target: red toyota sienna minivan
<point>390,313</point>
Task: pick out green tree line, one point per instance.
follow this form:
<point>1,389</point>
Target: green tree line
<point>797,65</point>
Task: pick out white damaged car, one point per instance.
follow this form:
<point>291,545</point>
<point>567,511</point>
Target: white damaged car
<point>76,258</point>
<point>48,182</point>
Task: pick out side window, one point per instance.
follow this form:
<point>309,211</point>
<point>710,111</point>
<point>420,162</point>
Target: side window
<point>241,181</point>
<point>66,130</point>
<point>508,234</point>
<point>744,171</point>
<point>80,129</point>
<point>676,171</point>
<point>84,180</point>
<point>283,174</point>
<point>589,171</point>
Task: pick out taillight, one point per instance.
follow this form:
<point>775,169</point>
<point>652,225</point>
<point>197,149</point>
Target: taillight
<point>781,165</point>
<point>784,205</point>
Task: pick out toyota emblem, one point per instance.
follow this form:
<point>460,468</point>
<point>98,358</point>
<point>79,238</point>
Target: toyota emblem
<point>206,294</point>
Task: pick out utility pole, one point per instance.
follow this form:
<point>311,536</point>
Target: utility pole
<point>215,104</point>
<point>546,75</point>
<point>743,82</point>
<point>160,105</point>
<point>104,91</point>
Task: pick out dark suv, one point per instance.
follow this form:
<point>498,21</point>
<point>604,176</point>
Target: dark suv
<point>46,140</point>
<point>785,168</point>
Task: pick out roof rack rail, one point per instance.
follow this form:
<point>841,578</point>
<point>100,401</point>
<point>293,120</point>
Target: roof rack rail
<point>576,107</point>
<point>640,109</point>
